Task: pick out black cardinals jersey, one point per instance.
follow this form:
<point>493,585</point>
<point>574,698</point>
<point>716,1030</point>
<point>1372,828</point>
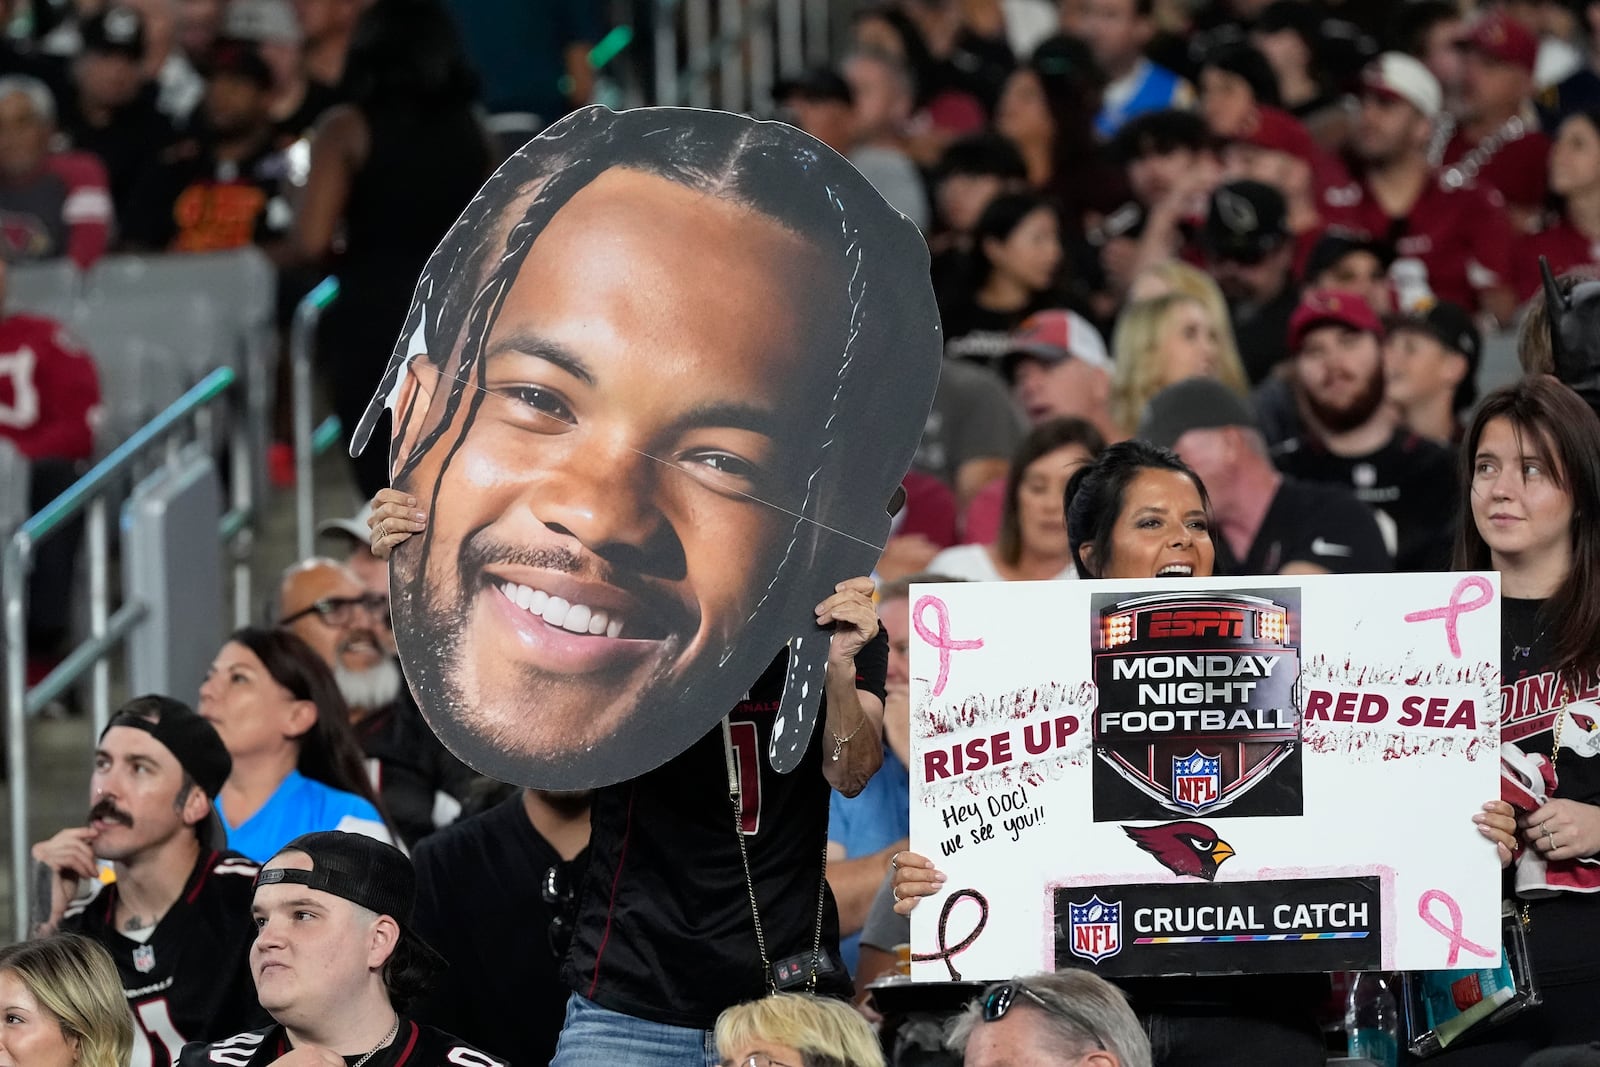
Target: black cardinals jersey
<point>664,930</point>
<point>414,1045</point>
<point>190,980</point>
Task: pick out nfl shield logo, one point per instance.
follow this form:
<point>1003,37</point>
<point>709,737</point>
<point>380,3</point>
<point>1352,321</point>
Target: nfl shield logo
<point>1196,781</point>
<point>1094,929</point>
<point>144,959</point>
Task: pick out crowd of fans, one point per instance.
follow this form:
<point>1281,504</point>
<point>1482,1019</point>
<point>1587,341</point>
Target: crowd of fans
<point>1237,260</point>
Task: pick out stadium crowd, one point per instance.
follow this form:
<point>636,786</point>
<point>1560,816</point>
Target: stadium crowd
<point>1232,258</point>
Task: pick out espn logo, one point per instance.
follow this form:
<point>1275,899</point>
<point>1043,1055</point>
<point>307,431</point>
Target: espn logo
<point>1198,622</point>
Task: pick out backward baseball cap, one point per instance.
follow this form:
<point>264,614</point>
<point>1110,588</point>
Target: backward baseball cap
<point>193,741</point>
<point>367,872</point>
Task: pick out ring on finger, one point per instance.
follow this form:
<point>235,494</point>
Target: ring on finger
<point>1549,837</point>
<point>894,891</point>
<point>894,862</point>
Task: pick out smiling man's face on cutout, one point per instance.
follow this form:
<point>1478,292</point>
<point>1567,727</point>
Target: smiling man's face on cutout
<point>598,539</point>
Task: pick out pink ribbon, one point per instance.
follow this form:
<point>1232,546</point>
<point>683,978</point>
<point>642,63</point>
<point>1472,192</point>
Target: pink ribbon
<point>1457,608</point>
<point>1453,931</point>
<point>939,637</point>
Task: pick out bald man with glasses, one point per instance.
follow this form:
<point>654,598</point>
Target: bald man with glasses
<point>422,785</point>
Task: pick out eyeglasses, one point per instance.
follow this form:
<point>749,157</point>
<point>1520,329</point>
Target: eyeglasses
<point>999,999</point>
<point>760,1059</point>
<point>337,610</point>
<point>558,893</point>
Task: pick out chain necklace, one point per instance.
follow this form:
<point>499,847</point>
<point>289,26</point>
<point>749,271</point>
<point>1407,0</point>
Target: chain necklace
<point>1524,651</point>
<point>393,1030</point>
<point>1564,696</point>
<point>736,796</point>
<point>1462,173</point>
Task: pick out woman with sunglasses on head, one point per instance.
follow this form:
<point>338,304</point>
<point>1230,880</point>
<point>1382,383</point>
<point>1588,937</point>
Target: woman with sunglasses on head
<point>296,765</point>
<point>1071,1018</point>
<point>1531,475</point>
<point>795,1030</point>
<point>1138,512</point>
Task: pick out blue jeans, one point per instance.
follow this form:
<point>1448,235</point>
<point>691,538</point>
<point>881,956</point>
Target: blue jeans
<point>593,1036</point>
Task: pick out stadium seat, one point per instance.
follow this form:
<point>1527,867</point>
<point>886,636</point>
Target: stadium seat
<point>13,489</point>
<point>241,284</point>
<point>47,288</point>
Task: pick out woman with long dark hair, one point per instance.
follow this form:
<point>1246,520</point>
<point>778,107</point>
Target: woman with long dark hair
<point>296,764</point>
<point>391,170</point>
<point>1012,271</point>
<point>1570,240</point>
<point>1032,542</point>
<point>1530,472</point>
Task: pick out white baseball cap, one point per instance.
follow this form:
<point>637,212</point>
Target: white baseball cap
<point>355,527</point>
<point>1404,77</point>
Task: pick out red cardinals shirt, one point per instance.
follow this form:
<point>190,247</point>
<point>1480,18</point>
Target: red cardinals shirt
<point>62,210</point>
<point>1561,244</point>
<point>1519,170</point>
<point>1461,236</point>
<point>49,391</point>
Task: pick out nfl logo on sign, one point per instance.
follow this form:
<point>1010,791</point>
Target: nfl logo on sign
<point>1196,781</point>
<point>1094,929</point>
<point>144,959</point>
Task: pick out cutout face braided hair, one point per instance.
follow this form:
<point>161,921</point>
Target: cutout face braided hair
<point>874,337</point>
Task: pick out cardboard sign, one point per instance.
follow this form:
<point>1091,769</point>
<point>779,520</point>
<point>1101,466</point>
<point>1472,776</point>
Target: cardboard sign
<point>656,391</point>
<point>1206,776</point>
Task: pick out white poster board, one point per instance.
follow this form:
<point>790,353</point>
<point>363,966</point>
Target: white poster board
<point>1206,776</point>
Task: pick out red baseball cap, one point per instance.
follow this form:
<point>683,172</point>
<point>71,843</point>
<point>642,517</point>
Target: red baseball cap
<point>1279,131</point>
<point>1504,40</point>
<point>1331,307</point>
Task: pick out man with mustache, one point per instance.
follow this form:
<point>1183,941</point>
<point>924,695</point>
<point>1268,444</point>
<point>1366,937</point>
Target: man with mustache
<point>1352,438</point>
<point>177,917</point>
<point>422,784</point>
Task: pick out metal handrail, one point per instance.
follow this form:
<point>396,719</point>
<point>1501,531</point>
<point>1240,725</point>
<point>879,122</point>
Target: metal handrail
<point>89,496</point>
<point>302,344</point>
<point>746,34</point>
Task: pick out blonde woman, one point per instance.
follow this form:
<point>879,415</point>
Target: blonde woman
<point>61,1005</point>
<point>791,1030</point>
<point>1176,276</point>
<point>1162,341</point>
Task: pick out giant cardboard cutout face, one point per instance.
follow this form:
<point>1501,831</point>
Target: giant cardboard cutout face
<point>656,390</point>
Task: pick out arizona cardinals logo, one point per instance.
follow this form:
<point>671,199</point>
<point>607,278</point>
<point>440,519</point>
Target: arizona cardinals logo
<point>1187,849</point>
<point>1584,721</point>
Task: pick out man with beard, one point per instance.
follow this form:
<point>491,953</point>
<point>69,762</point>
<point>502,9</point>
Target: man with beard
<point>177,917</point>
<point>422,785</point>
<point>1352,438</point>
<point>498,886</point>
<point>226,187</point>
<point>1458,234</point>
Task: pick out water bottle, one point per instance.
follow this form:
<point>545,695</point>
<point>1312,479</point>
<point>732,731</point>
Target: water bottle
<point>1372,1019</point>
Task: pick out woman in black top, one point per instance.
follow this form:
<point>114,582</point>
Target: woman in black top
<point>1531,472</point>
<point>390,171</point>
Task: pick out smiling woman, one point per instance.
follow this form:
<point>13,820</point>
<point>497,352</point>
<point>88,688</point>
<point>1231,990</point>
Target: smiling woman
<point>635,393</point>
<point>1139,512</point>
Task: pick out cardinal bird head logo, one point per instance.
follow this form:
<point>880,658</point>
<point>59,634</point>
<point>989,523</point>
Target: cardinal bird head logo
<point>1187,849</point>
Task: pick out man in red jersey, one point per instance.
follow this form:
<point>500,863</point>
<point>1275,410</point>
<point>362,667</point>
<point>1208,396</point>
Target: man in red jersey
<point>1457,237</point>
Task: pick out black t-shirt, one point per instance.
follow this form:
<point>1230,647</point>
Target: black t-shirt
<point>127,145</point>
<point>482,889</point>
<point>1411,480</point>
<point>664,930</point>
<point>1309,523</point>
<point>319,97</point>
<point>413,1046</point>
<point>191,201</point>
<point>412,767</point>
<point>1563,927</point>
<point>190,981</point>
